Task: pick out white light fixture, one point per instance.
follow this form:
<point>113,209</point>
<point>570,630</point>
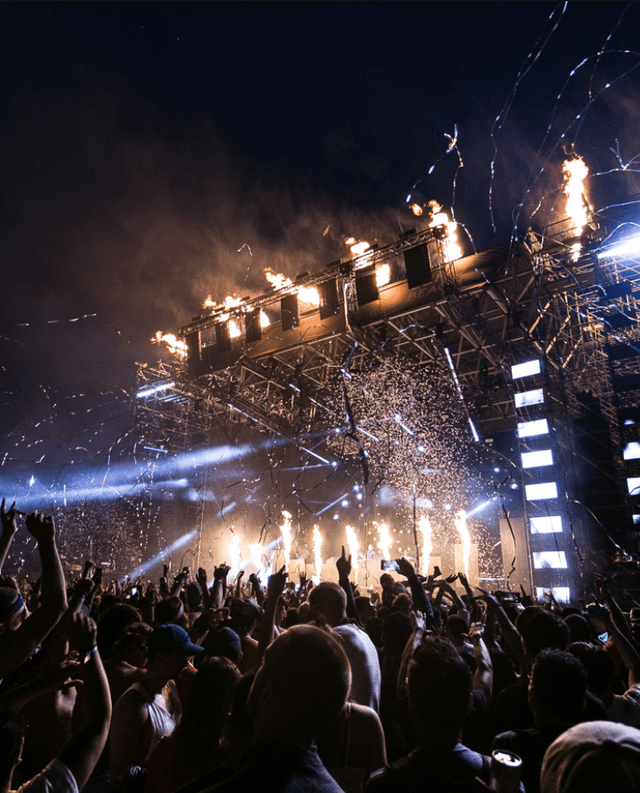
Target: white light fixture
<point>550,559</point>
<point>547,524</point>
<point>633,483</point>
<point>562,594</point>
<point>537,459</point>
<point>529,429</point>
<point>541,492</point>
<point>526,398</point>
<point>525,369</point>
<point>632,451</point>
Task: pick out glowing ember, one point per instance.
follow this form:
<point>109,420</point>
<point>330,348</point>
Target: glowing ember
<point>286,538</point>
<point>452,250</point>
<point>383,275</point>
<point>463,531</point>
<point>384,541</point>
<point>352,544</point>
<point>427,546</point>
<point>234,552</point>
<point>317,550</point>
<point>416,209</point>
<point>174,345</point>
<point>577,206</point>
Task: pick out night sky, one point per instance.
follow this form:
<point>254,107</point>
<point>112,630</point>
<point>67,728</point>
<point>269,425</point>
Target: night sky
<point>147,147</point>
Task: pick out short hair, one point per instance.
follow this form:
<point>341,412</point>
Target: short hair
<point>457,625</point>
<point>600,666</point>
<point>310,670</point>
<point>541,629</point>
<point>439,688</point>
<point>559,682</point>
<point>332,597</point>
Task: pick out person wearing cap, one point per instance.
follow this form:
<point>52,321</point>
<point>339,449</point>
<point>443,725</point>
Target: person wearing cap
<point>593,756</point>
<point>22,633</point>
<point>150,708</point>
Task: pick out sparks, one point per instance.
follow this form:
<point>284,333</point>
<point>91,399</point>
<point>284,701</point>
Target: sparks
<point>427,546</point>
<point>317,550</point>
<point>286,538</point>
<point>463,531</point>
<point>352,544</point>
<point>234,552</point>
<point>384,541</point>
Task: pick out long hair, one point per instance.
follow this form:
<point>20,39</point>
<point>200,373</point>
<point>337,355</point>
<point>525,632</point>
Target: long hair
<point>202,727</point>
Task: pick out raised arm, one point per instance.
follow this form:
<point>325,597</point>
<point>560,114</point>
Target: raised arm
<point>9,528</point>
<point>343,565</point>
<point>218,590</point>
<point>20,644</point>
<point>483,676</point>
<point>627,651</point>
<point>509,631</point>
<point>421,602</point>
<point>275,588</point>
<point>83,750</point>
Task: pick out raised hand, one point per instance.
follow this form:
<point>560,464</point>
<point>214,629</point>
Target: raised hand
<point>9,523</point>
<point>41,526</point>
<point>221,571</point>
<point>344,565</point>
<point>405,568</point>
<point>276,584</point>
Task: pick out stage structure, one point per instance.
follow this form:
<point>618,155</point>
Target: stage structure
<point>540,337</point>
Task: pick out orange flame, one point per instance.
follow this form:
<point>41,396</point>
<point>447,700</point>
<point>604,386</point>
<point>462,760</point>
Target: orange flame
<point>383,275</point>
<point>577,206</point>
<point>277,280</point>
<point>452,250</point>
<point>286,538</point>
<point>174,345</point>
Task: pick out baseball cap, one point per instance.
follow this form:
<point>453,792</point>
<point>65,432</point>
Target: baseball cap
<point>594,755</point>
<point>172,638</point>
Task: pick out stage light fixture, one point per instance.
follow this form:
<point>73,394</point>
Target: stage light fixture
<point>632,451</point>
<point>525,369</point>
<point>537,459</point>
<point>527,398</point>
<point>529,429</point>
<point>562,594</point>
<point>541,492</point>
<point>633,483</point>
<point>546,524</point>
<point>556,560</point>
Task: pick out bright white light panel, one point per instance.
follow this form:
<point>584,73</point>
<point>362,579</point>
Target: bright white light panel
<point>541,491</point>
<point>528,429</point>
<point>537,459</point>
<point>562,594</point>
<point>547,524</point>
<point>632,451</point>
<point>525,369</point>
<point>633,483</point>
<point>526,398</point>
<point>552,559</point>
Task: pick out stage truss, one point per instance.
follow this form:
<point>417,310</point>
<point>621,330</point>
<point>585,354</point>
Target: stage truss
<point>534,299</point>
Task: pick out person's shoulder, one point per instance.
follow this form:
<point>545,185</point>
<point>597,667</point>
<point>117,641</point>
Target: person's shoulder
<point>54,778</point>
